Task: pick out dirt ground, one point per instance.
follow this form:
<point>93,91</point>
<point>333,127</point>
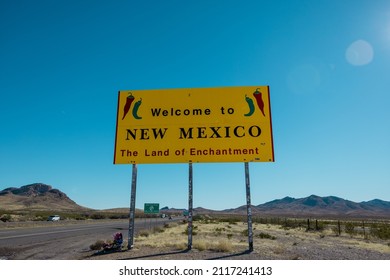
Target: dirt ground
<point>271,242</point>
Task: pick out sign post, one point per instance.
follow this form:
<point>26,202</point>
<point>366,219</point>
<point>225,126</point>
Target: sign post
<point>248,207</point>
<point>132,208</point>
<point>151,208</point>
<point>190,205</point>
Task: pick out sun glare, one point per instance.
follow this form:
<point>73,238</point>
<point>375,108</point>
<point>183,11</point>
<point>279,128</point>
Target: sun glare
<point>359,53</point>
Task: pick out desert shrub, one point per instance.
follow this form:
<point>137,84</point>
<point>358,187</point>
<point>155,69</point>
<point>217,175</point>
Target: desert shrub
<point>80,218</point>
<point>350,228</point>
<point>260,220</point>
<point>194,232</point>
<point>143,233</point>
<point>5,218</point>
<point>335,230</point>
<point>97,216</point>
<point>201,219</point>
<point>200,245</point>
<point>229,235</point>
<point>98,245</point>
<point>38,218</point>
<point>381,231</point>
<point>230,220</point>
<point>219,230</point>
<point>320,226</point>
<point>118,216</point>
<point>158,230</point>
<point>263,235</point>
<point>287,224</point>
<point>181,246</point>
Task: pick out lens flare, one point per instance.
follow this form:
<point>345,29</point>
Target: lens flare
<point>359,53</point>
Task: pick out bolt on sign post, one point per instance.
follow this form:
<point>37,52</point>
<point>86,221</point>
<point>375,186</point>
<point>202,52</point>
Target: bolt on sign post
<point>194,125</point>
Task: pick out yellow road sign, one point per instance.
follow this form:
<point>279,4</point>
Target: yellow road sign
<point>228,124</point>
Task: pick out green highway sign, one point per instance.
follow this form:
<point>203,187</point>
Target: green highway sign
<point>151,208</point>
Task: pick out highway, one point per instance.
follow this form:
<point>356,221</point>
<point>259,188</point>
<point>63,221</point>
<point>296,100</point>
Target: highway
<point>63,240</point>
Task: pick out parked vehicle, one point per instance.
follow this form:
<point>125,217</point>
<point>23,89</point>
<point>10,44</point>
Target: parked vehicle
<point>54,218</point>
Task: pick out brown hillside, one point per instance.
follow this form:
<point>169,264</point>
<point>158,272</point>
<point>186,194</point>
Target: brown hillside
<point>36,196</point>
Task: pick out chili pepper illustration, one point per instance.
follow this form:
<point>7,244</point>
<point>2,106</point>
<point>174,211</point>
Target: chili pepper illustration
<point>135,109</point>
<point>126,109</point>
<point>250,105</point>
<point>259,100</point>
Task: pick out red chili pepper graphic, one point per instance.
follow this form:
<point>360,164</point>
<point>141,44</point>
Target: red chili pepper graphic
<point>259,100</point>
<point>126,109</point>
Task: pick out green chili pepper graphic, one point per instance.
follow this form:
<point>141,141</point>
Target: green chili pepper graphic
<point>250,105</point>
<point>135,109</point>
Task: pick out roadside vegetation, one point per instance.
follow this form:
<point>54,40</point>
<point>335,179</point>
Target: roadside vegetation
<point>39,215</point>
<point>275,236</point>
<point>229,233</point>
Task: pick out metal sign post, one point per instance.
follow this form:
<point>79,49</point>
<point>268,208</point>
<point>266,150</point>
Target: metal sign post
<point>151,208</point>
<point>248,207</point>
<point>190,207</point>
<point>132,207</point>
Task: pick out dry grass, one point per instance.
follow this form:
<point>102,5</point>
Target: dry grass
<point>222,246</point>
<point>219,238</point>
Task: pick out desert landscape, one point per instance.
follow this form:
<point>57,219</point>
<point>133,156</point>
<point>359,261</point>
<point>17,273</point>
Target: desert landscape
<point>287,229</point>
<point>226,238</point>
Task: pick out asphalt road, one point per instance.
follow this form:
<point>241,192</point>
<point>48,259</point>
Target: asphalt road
<point>64,241</point>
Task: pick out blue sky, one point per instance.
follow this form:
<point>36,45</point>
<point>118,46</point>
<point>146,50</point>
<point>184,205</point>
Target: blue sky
<point>326,62</point>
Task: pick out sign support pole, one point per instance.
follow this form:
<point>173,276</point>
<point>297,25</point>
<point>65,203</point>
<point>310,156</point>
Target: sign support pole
<point>132,208</point>
<point>248,207</point>
<point>190,205</point>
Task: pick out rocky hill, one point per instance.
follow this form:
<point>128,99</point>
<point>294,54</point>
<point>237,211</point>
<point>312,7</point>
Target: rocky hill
<point>36,196</point>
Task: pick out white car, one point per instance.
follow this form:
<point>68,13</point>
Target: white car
<point>54,218</point>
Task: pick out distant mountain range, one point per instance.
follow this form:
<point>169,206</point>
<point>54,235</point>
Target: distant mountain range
<point>316,206</point>
<point>40,196</point>
<point>311,206</point>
